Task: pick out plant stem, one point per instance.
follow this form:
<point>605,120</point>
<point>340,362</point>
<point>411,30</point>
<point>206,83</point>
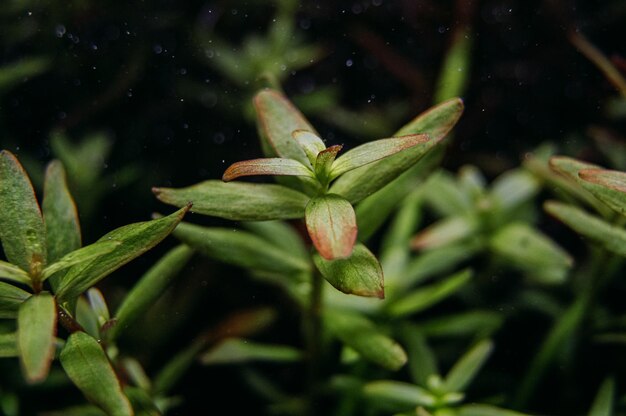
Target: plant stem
<point>313,327</point>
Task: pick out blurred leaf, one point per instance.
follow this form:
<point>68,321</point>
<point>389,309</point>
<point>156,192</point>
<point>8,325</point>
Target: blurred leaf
<point>237,351</point>
<point>136,373</point>
<point>360,274</point>
<point>590,226</point>
<point>86,317</point>
<point>424,297</point>
<point>11,298</point>
<point>135,240</point>
<point>238,201</point>
<point>88,367</point>
<point>80,256</point>
<point>84,410</point>
<point>398,395</point>
<point>8,345</point>
<point>609,186</point>
<point>513,188</point>
<point>475,322</point>
<point>175,368</point>
<point>279,119</point>
<point>331,223</point>
<point>603,403</point>
<point>422,360</point>
<point>17,72</point>
<point>98,305</point>
<point>267,166</point>
<point>365,338</point>
<point>486,410</point>
<point>446,196</point>
<point>529,250</point>
<point>455,71</point>
<point>466,368</point>
<point>372,151</point>
<point>447,231</point>
<point>310,143</point>
<point>142,403</point>
<point>238,247</point>
<point>12,272</point>
<point>281,235</point>
<point>21,226</point>
<point>36,329</point>
<point>84,161</point>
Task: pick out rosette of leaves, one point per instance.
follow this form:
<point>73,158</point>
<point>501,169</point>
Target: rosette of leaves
<point>45,272</point>
<point>317,184</point>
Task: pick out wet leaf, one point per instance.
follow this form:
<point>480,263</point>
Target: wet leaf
<point>331,223</point>
<point>236,351</point>
<point>609,186</point>
<point>82,255</point>
<point>22,230</point>
<point>267,166</point>
<point>364,337</point>
<point>11,298</point>
<point>88,367</point>
<point>466,368</point>
<point>360,274</point>
<point>238,201</point>
<point>135,239</point>
<point>36,329</point>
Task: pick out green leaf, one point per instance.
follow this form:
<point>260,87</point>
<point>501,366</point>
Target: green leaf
<point>59,214</point>
<point>331,223</point>
<point>135,239</point>
<point>11,298</point>
<point>466,368</point>
<point>324,163</point>
<point>365,180</point>
<point>12,272</point>
<point>360,274</point>
<point>237,351</point>
<point>22,230</point>
<point>279,119</point>
<point>447,231</point>
<point>17,72</point>
<point>424,297</point>
<point>513,188</point>
<point>82,255</point>
<point>36,329</point>
<point>142,403</point>
<point>240,248</point>
<point>609,186</point>
<point>603,402</point>
<point>446,195</point>
<point>398,394</point>
<point>570,167</point>
<point>364,337</point>
<point>238,201</point>
<point>486,410</point>
<point>282,235</point>
<point>88,367</point>
<point>371,152</point>
<point>463,324</point>
<point>8,345</point>
<point>310,143</point>
<point>149,288</point>
<point>455,71</point>
<point>267,166</point>
<point>175,368</point>
<point>590,226</point>
<point>531,251</point>
<point>422,361</point>
<point>437,121</point>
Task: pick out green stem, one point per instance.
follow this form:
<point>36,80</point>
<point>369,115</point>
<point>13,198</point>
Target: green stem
<point>313,327</point>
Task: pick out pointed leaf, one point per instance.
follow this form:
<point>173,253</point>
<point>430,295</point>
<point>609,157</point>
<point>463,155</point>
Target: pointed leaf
<point>82,255</point>
<point>149,288</point>
<point>282,235</point>
<point>364,337</point>
<point>88,367</point>
<point>331,223</point>
<point>135,239</point>
<point>422,361</point>
<point>360,274</point>
<point>445,232</point>
<point>267,166</point>
<point>310,143</point>
<point>603,403</point>
<point>513,188</point>
<point>142,403</point>
<point>8,345</point>
<point>373,151</point>
<point>36,329</point>
<point>12,272</point>
<point>279,119</point>
<point>398,394</point>
<point>11,298</point>
<point>446,196</point>
<point>590,226</point>
<point>59,214</point>
<point>466,368</point>
<point>21,226</point>
<point>240,248</point>
<point>324,163</point>
<point>238,201</point>
<point>426,296</point>
<point>609,186</point>
<point>463,324</point>
<point>237,351</point>
<point>437,121</point>
<point>570,167</point>
<point>486,410</point>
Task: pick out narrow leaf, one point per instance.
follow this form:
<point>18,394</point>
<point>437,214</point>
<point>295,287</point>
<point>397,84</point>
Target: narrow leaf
<point>360,274</point>
<point>603,403</point>
<point>331,223</point>
<point>22,230</point>
<point>373,151</point>
<point>135,239</point>
<point>398,394</point>
<point>513,188</point>
<point>11,298</point>
<point>149,288</point>
<point>240,248</point>
<point>8,345</point>
<point>59,214</point>
<point>88,367</point>
<point>142,403</point>
<point>609,186</point>
<point>310,143</point>
<point>486,410</point>
<point>437,121</point>
<point>237,351</point>
<point>422,361</point>
<point>360,334</point>
<point>12,272</point>
<point>79,256</point>
<point>463,324</point>
<point>267,166</point>
<point>282,235</point>
<point>570,167</point>
<point>446,195</point>
<point>324,163</point>
<point>279,119</point>
<point>590,226</point>
<point>424,297</point>
<point>466,368</point>
<point>238,201</point>
<point>445,232</point>
<point>36,329</point>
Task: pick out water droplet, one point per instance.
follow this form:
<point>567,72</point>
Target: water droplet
<point>157,49</point>
<point>59,31</point>
<point>349,63</point>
